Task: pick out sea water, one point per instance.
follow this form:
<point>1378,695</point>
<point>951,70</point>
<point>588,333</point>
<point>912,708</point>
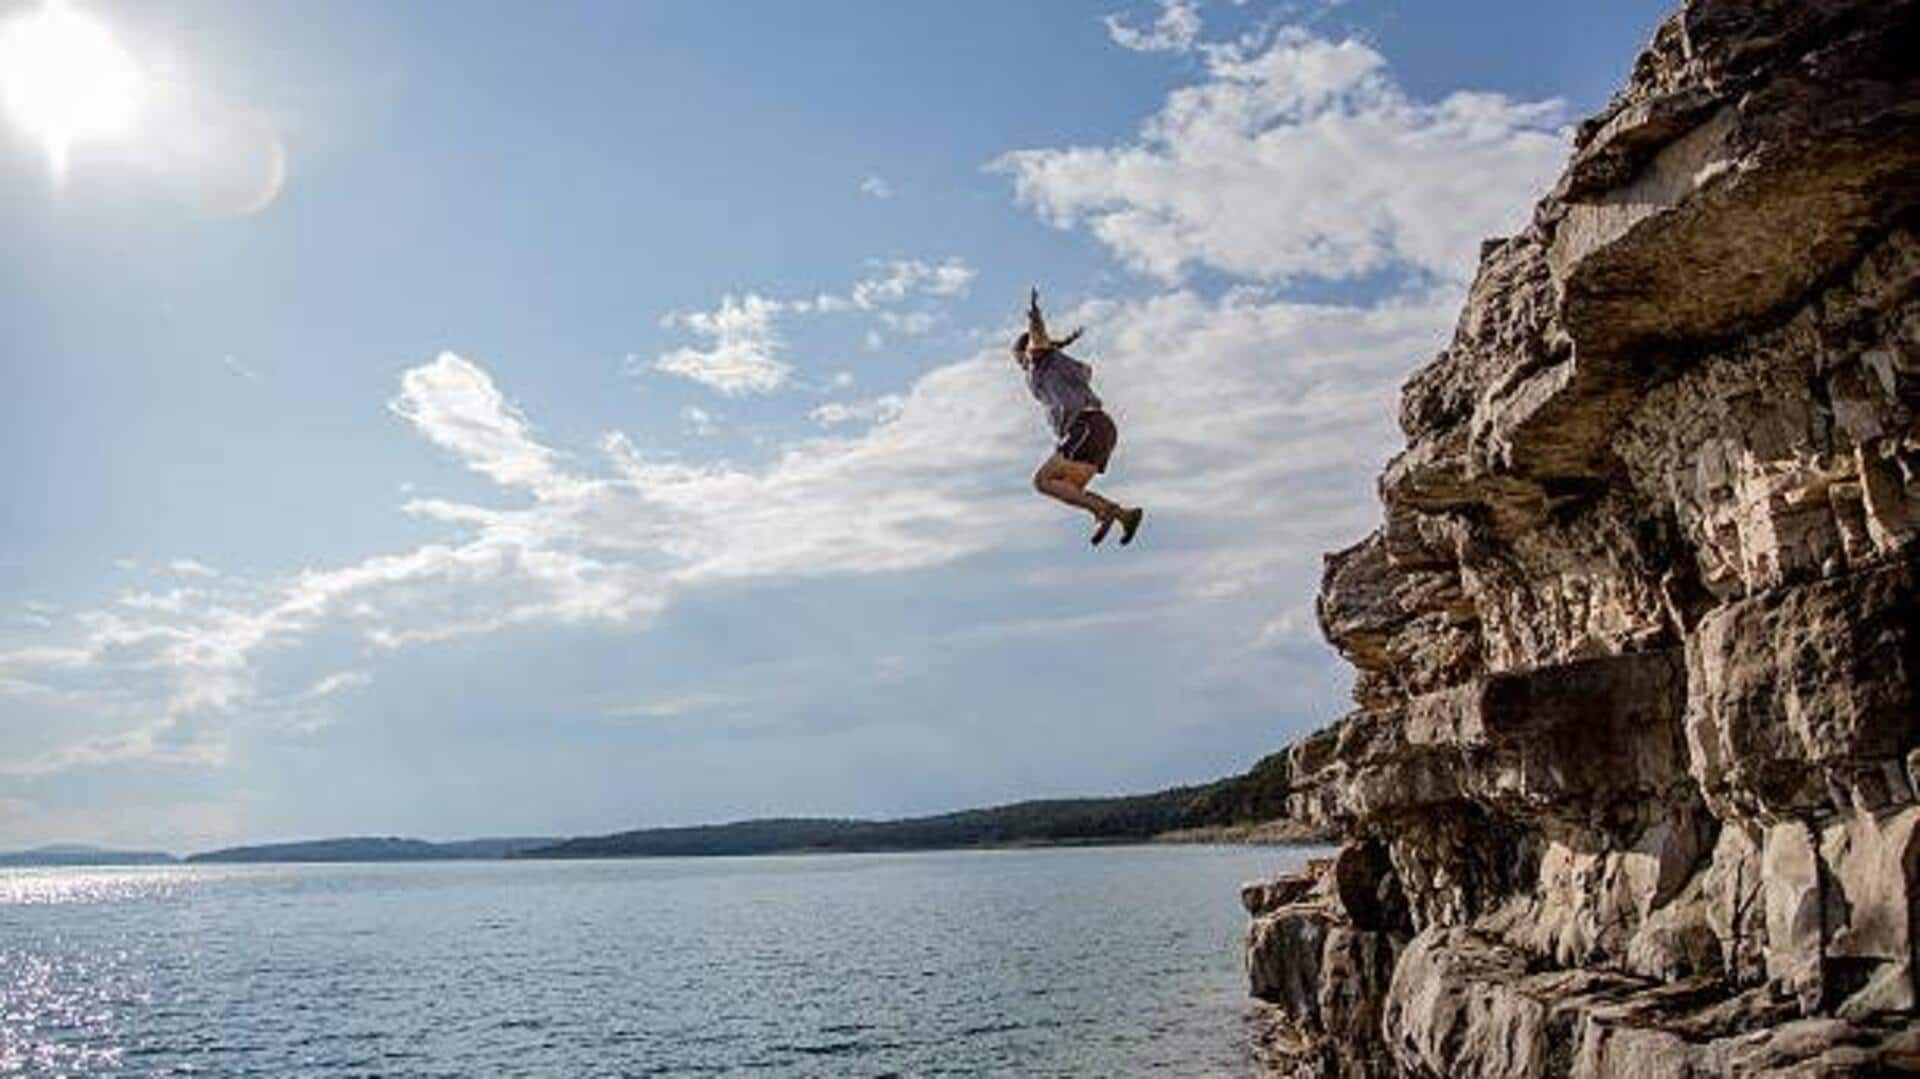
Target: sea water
<point>1083,961</point>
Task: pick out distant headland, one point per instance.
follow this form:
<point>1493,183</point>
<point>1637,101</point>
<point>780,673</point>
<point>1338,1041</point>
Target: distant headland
<point>1247,808</point>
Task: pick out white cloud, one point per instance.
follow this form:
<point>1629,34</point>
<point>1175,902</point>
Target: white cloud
<point>340,682</point>
<point>456,406</point>
<point>187,567</point>
<point>36,615</point>
<point>42,658</point>
<point>744,352</point>
<point>1175,30</point>
<point>876,187</point>
<point>874,410</point>
<point>679,705</point>
<point>905,277</point>
<point>1253,423</point>
<point>698,420</point>
<point>745,349</point>
<point>1250,427</point>
<point>1302,160</point>
<point>910,323</point>
<point>172,601</point>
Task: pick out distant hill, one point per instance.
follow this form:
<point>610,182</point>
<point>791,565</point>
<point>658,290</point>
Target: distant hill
<point>374,849</point>
<point>1259,795</point>
<point>76,854</point>
<point>1251,806</point>
<point>495,847</point>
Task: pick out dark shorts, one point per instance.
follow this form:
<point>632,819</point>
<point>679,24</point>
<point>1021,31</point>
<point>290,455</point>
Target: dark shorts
<point>1090,438</point>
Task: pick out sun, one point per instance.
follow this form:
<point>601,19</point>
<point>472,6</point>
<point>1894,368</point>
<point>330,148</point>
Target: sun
<point>65,80</point>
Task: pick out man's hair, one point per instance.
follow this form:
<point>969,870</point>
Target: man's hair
<point>1020,343</point>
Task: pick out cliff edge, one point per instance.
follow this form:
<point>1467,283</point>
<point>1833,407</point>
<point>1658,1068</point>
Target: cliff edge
<point>1631,784</point>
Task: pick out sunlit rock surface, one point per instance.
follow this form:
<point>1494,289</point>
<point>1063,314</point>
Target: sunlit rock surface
<point>1631,786</point>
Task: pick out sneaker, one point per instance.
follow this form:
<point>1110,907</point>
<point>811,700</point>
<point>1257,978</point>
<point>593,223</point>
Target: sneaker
<point>1130,523</point>
<point>1100,531</point>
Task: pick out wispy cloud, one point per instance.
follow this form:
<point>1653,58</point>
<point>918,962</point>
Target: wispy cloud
<point>339,682</point>
<point>233,364</point>
<point>676,706</point>
<point>1250,425</point>
<point>698,420</point>
<point>36,615</point>
<point>909,323</point>
<point>876,187</point>
<point>187,567</point>
<point>872,410</point>
<point>457,407</point>
<point>905,277</point>
<point>744,351</point>
<point>1254,421</point>
<point>1176,29</point>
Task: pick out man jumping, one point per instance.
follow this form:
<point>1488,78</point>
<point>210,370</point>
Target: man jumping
<point>1086,433</point>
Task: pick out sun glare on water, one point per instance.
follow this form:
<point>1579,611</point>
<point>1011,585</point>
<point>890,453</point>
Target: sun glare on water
<point>65,80</point>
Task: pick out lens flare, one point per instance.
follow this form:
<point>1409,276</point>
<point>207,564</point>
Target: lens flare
<point>65,80</point>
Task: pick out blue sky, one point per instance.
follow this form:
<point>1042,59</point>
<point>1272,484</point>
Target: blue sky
<point>472,418</point>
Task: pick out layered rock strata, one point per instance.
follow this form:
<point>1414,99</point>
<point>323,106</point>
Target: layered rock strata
<point>1631,784</point>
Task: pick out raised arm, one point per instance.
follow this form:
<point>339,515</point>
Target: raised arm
<point>1037,326</point>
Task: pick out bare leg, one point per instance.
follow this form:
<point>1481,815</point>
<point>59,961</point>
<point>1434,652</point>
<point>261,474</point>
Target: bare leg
<point>1066,481</point>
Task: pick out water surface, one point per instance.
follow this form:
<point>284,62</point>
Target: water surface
<point>1101,961</point>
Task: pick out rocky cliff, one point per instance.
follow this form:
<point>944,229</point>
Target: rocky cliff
<point>1631,784</point>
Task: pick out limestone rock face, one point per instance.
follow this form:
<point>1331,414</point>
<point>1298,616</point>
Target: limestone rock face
<point>1630,788</point>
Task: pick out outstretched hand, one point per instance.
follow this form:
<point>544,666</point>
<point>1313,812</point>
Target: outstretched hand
<point>1037,327</point>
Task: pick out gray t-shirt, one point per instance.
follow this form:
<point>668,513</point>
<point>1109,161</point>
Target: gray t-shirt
<point>1061,383</point>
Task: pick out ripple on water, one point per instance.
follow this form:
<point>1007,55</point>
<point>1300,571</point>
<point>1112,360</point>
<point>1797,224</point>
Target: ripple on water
<point>38,886</point>
<point>1038,962</point>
